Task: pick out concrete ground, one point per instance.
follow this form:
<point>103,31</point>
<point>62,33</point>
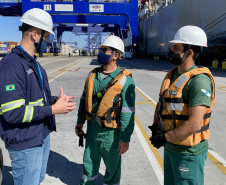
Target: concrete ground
<point>142,164</point>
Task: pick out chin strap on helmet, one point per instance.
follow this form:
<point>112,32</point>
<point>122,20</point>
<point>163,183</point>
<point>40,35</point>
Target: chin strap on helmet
<point>113,53</point>
<point>40,43</point>
<point>24,27</point>
<point>185,54</point>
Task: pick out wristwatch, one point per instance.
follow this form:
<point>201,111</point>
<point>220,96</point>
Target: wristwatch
<point>55,100</point>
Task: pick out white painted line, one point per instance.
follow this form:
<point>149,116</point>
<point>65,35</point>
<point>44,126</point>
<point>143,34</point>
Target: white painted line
<point>218,157</point>
<point>154,163</point>
<point>146,95</point>
<point>215,154</point>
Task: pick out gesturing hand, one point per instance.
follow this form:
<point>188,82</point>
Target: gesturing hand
<point>62,93</point>
<point>63,105</point>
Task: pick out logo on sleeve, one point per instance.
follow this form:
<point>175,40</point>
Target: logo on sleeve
<point>204,92</point>
<point>10,87</point>
<point>29,71</point>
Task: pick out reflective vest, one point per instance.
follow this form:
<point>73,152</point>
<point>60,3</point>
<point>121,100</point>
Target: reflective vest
<point>173,111</point>
<point>108,113</point>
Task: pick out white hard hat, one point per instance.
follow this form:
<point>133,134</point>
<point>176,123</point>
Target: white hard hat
<point>114,42</point>
<point>191,35</point>
<point>38,18</point>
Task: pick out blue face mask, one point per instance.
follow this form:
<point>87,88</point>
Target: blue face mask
<point>103,58</point>
<point>43,46</point>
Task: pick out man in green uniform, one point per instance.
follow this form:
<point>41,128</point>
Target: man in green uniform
<point>181,120</point>
<point>108,103</point>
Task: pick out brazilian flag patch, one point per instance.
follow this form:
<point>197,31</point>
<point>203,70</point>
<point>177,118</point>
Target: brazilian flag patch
<point>10,87</point>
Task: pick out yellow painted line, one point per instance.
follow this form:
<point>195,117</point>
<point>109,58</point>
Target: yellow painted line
<point>221,89</point>
<point>61,68</point>
<point>149,101</point>
<point>142,102</point>
<point>153,149</point>
<point>217,163</point>
<point>162,71</point>
<point>66,70</point>
<point>221,86</point>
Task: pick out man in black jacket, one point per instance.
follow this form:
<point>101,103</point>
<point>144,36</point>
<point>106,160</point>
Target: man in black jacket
<point>26,106</point>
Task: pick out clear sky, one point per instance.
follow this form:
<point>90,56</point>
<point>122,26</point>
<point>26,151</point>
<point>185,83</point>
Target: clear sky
<point>9,31</point>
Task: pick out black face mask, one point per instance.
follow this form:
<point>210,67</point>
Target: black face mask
<point>174,58</point>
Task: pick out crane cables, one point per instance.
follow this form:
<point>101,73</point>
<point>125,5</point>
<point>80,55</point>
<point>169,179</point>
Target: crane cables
<point>216,21</point>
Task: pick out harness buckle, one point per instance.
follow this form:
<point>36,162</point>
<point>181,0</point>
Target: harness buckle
<point>161,124</point>
<point>99,95</point>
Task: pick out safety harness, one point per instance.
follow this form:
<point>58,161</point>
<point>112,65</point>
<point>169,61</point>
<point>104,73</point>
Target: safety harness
<point>173,111</point>
<point>108,113</point>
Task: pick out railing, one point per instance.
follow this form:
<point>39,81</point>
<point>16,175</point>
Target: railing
<point>153,9</point>
<point>93,1</point>
<point>11,1</point>
<point>67,1</point>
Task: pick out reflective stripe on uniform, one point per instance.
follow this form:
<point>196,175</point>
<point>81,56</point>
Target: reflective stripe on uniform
<point>175,106</point>
<point>181,81</point>
<point>12,105</point>
<point>37,103</point>
<point>29,110</point>
<point>89,179</point>
<point>28,115</point>
<point>128,109</point>
<point>123,81</point>
<point>113,184</point>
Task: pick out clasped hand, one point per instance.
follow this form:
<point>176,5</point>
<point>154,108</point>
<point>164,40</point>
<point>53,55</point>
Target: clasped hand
<point>158,140</point>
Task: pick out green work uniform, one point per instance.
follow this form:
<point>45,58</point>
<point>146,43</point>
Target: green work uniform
<point>104,142</point>
<point>184,165</point>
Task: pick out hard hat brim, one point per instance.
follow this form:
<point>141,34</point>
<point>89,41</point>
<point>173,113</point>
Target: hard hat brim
<point>50,31</point>
<point>182,42</point>
<point>122,53</point>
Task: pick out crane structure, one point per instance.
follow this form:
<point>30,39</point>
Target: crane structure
<point>118,17</point>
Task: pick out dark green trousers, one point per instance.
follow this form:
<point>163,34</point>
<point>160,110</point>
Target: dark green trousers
<point>183,170</point>
<point>101,143</point>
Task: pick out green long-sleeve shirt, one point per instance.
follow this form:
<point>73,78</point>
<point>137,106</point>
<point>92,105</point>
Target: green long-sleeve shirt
<point>128,104</point>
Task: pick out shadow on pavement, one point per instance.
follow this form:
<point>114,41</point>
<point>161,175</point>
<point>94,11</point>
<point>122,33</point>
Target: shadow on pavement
<point>7,176</point>
<point>68,172</point>
<point>59,167</point>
